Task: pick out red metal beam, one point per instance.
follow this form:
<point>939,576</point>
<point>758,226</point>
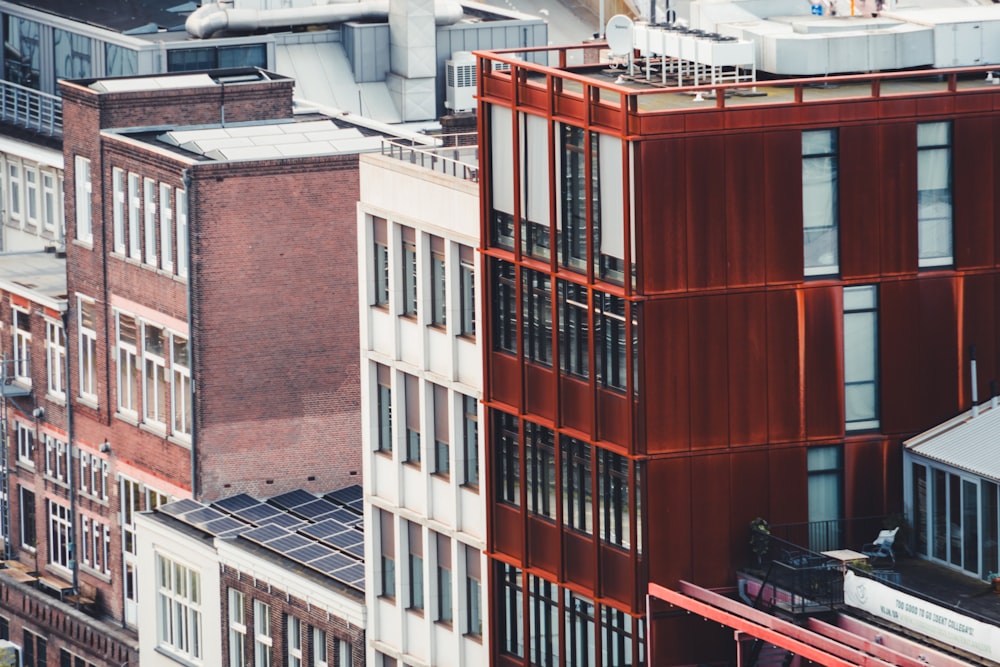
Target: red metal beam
<point>862,644</point>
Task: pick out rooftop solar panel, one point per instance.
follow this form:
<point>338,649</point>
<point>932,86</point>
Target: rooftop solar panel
<point>344,539</point>
<point>347,494</point>
<point>357,550</point>
<point>292,499</point>
<point>179,507</point>
<point>265,534</point>
<point>201,516</point>
<point>237,502</point>
<point>284,520</point>
<point>331,563</point>
<point>257,513</point>
<point>315,509</point>
<point>310,552</point>
<point>225,525</point>
<point>288,543</point>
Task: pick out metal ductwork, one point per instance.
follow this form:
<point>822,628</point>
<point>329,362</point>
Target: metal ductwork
<point>210,19</point>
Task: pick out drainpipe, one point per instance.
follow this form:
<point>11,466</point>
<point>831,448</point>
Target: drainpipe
<point>192,345</point>
<point>74,564</point>
<point>972,374</point>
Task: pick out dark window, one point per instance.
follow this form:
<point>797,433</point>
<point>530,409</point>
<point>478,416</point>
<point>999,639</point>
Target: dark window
<point>573,181</point>
<point>467,284</point>
<point>613,498</point>
<point>508,466</point>
<point>503,230</point>
<point>574,329</point>
<point>512,613</point>
<point>577,485</point>
<point>470,439</point>
<point>409,269</point>
<point>504,306</point>
<point>387,581</point>
<point>580,638</point>
<point>612,357</point>
<point>539,450</point>
<point>28,536</point>
<point>384,401</point>
<point>415,565</point>
<point>820,197</point>
<point>934,196</point>
<point>442,450</point>
<point>543,619</point>
<point>537,295</point>
<point>473,592</point>
<point>444,609</point>
<point>412,396</point>
<point>187,60</point>
<point>381,250</point>
<point>617,637</point>
<point>439,283</point>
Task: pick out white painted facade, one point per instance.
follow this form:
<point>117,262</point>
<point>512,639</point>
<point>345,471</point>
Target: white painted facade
<point>31,197</point>
<point>433,216</point>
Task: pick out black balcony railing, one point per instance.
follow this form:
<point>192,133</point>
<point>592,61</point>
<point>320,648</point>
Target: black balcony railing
<point>837,533</point>
<point>31,109</point>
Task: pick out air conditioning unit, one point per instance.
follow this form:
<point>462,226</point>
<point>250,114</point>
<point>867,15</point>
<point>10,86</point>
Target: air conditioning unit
<point>460,82</point>
<point>10,654</point>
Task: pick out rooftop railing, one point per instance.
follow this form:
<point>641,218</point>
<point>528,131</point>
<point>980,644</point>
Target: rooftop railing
<point>31,109</point>
<point>455,156</point>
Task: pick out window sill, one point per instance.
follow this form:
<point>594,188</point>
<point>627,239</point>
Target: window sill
<point>84,243</point>
<point>180,440</point>
<point>473,488</point>
<point>132,419</point>
<point>58,399</point>
<point>88,402</point>
<point>443,476</point>
<point>438,326</point>
<point>27,465</point>
<point>93,498</point>
<point>384,453</point>
<point>96,574</point>
<point>154,429</point>
<point>446,625</point>
<point>416,611</point>
<point>176,657</point>
<point>412,464</point>
<point>478,638</point>
<point>55,481</point>
<point>389,599</point>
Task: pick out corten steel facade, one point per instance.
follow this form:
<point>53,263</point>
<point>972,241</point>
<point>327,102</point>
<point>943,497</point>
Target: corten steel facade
<point>690,323</point>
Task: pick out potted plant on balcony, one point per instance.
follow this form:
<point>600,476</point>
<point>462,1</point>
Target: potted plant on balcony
<point>994,578</point>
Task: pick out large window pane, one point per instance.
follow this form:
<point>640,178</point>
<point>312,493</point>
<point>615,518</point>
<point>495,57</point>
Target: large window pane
<point>820,202</point>
<point>860,358</point>
<point>934,206</point>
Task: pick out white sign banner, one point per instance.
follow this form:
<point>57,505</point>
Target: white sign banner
<point>929,619</point>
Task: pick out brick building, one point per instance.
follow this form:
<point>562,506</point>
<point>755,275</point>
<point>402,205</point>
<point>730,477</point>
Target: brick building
<point>199,362</point>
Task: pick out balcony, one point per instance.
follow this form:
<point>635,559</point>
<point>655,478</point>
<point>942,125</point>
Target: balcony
<point>37,112</point>
<point>456,155</point>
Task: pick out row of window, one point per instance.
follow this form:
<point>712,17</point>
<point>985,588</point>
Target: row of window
<point>439,278</point>
<point>470,597</point>
<point>55,352</point>
<point>92,479</point>
<point>143,213</point>
<point>581,314</point>
<point>304,645</point>
<point>439,396</point>
<point>94,535</point>
<point>32,195</point>
<point>820,197</point>
<point>597,488</point>
<point>563,627</point>
<point>153,375</point>
<point>589,194</point>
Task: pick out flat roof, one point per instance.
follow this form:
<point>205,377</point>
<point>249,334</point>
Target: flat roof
<point>38,276</point>
<point>121,17</point>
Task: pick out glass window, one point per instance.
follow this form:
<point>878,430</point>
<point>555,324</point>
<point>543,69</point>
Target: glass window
<point>55,358</point>
<point>72,55</point>
<point>444,602</point>
<point>381,255</point>
<point>22,345</point>
<point>320,650</point>
<point>820,202</point>
<point>31,193</point>
<point>580,637</point>
<point>180,386</point>
<point>617,637</point>
<point>861,358</point>
<point>574,329</point>
<point>118,208</point>
<point>383,400</point>
<point>610,339</point>
<point>15,209</point>
<point>166,229</point>
<point>84,224</point>
<point>88,350</point>
<point>23,59</point>
<point>470,439</point>
<point>508,467</point>
<point>263,641</point>
<point>149,214</point>
<point>511,619</point>
<point>293,642</point>
<point>237,628</point>
<point>387,547</point>
<point>25,436</point>
<point>501,177</point>
<point>179,608</point>
<point>415,566</point>
<point>467,289</point>
<point>439,282</point>
<point>154,393</point>
<point>543,622</point>
<point>411,386</point>
<point>59,530</point>
<point>934,204</point>
<point>134,214</point>
<point>442,451</point>
<point>128,369</point>
<point>539,450</point>
<point>409,270</point>
<point>51,201</point>
<point>182,233</point>
<point>537,295</point>
<point>120,61</point>
<point>27,518</point>
<point>504,307</point>
<point>608,207</point>
<point>574,199</point>
<point>577,484</point>
<point>473,592</point>
<point>825,471</point>
<point>613,498</point>
<point>534,153</point>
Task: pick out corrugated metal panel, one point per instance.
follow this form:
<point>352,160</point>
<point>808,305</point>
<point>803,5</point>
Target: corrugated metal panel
<point>968,443</point>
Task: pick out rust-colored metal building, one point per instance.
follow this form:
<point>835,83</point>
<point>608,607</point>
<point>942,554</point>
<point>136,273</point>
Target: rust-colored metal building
<point>703,308</point>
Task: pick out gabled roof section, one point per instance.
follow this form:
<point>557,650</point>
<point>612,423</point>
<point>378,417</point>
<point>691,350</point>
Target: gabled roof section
<point>969,442</point>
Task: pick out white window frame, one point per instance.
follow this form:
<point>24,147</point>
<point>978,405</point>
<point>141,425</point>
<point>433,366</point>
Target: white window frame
<point>85,473</point>
<point>32,208</point>
<point>118,208</point>
<point>154,379</point>
<point>15,200</point>
<point>55,358</point>
<point>60,529</point>
<point>166,233</point>
<point>178,608</point>
<point>180,390</point>
<point>293,641</point>
<point>320,652</point>
<point>149,219</point>
<point>22,345</point>
<point>181,204</point>
<point>87,351</point>
<point>134,213</point>
<point>95,545</point>
<point>25,444</point>
<point>84,212</point>
<point>51,201</point>
<point>263,640</point>
<point>56,459</point>
<point>127,360</point>
<point>344,658</point>
<point>237,628</point>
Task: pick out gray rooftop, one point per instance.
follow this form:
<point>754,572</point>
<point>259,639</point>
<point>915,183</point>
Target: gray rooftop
<point>37,276</point>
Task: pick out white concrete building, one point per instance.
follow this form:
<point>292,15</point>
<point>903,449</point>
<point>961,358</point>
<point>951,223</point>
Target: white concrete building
<point>421,381</point>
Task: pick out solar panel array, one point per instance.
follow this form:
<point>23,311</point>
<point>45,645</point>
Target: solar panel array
<point>324,533</point>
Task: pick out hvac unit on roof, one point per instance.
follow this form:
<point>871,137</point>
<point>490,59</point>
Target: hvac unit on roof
<point>460,81</point>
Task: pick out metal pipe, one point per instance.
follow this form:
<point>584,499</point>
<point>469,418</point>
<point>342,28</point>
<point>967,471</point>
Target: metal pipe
<point>192,346</point>
<point>972,373</point>
<point>74,564</point>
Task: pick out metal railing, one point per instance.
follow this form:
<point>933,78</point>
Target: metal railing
<point>798,579</point>
<point>453,158</point>
<point>31,109</point>
<point>834,534</point>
